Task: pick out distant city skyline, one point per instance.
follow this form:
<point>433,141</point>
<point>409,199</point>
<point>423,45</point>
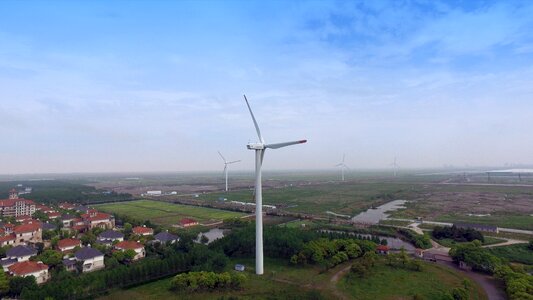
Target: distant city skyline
<point>156,86</point>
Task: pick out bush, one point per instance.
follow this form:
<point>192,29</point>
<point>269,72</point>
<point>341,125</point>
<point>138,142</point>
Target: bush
<point>207,281</point>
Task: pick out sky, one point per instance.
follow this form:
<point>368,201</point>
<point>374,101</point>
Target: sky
<point>136,86</point>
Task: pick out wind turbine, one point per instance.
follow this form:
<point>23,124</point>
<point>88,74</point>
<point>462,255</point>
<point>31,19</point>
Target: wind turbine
<point>226,163</point>
<point>260,148</point>
<point>395,166</point>
<point>343,166</point>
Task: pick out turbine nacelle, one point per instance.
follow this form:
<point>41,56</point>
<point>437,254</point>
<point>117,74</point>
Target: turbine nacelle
<point>256,146</point>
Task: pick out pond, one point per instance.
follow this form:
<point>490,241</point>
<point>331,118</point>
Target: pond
<point>212,235</point>
<point>374,215</point>
<point>393,242</point>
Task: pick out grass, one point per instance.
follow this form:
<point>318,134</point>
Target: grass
<point>393,283</point>
<point>343,198</point>
<point>284,281</point>
<point>488,241</point>
<point>503,220</point>
<point>166,213</point>
<point>515,253</point>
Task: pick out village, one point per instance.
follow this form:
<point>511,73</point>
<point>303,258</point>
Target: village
<point>73,236</point>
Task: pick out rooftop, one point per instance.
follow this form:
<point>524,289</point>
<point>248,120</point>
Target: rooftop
<point>87,253</point>
<point>27,267</point>
<point>111,234</point>
<point>129,245</point>
<point>164,236</point>
<point>20,251</point>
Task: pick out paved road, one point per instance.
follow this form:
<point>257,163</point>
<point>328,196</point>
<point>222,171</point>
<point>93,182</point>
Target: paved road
<point>492,286</point>
<point>530,232</point>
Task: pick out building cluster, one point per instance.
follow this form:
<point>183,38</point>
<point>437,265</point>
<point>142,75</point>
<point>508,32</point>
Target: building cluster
<point>22,231</point>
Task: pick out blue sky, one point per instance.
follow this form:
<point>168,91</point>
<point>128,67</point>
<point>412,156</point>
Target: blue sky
<point>89,86</point>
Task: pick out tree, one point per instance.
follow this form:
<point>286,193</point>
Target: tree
<point>129,254</point>
<point>530,245</point>
<point>4,283</point>
<point>127,228</point>
<point>88,238</point>
<point>51,258</point>
<point>17,284</point>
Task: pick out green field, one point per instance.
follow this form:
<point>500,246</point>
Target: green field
<point>343,198</point>
<point>514,253</point>
<point>488,241</point>
<point>166,213</point>
<point>503,220</point>
<point>394,283</point>
<point>283,281</point>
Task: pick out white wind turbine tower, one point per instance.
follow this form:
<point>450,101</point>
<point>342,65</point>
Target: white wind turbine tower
<point>395,166</point>
<point>343,166</point>
<point>260,148</point>
<point>226,163</point>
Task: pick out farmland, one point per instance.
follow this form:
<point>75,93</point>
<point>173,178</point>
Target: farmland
<point>166,213</point>
<point>519,253</point>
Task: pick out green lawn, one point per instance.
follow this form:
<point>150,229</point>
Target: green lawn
<point>515,253</point>
<point>393,283</point>
<point>166,213</point>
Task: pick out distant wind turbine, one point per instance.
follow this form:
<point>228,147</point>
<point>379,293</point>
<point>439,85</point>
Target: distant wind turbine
<point>226,163</point>
<point>395,166</point>
<point>260,148</point>
<point>343,166</point>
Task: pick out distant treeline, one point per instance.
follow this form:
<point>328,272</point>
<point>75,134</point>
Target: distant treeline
<point>55,191</point>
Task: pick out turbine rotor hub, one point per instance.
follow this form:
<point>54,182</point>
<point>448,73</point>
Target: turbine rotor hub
<point>256,146</point>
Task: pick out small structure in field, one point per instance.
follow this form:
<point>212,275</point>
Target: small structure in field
<point>239,267</point>
<point>186,222</point>
<point>382,249</point>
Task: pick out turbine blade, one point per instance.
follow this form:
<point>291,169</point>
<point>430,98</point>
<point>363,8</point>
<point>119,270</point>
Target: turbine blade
<point>255,122</point>
<point>339,165</point>
<point>221,156</point>
<point>232,162</point>
<point>343,157</point>
<point>281,145</point>
<point>262,156</point>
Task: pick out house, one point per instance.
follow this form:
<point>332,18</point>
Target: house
<point>17,254</point>
<point>95,218</point>
<point>109,236</point>
<point>7,240</point>
<point>137,247</point>
<point>79,225</point>
<point>382,249</point>
<point>67,206</point>
<point>15,206</point>
<point>239,267</point>
<point>81,209</point>
<point>45,209</point>
<point>67,220</point>
<point>419,252</point>
<point>70,264</point>
<point>30,268</point>
<point>47,226</point>
<point>478,227</point>
<point>23,218</point>
<point>166,237</point>
<point>142,230</point>
<point>28,234</point>
<point>53,215</point>
<point>66,245</point>
<point>91,259</point>
<point>188,222</point>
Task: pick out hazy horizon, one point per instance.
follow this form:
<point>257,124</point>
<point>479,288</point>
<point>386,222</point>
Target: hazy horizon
<point>133,87</point>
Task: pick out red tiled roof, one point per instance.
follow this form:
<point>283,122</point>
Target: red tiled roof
<point>9,225</point>
<point>79,227</point>
<point>53,214</point>
<point>98,216</point>
<point>65,243</point>
<point>188,221</point>
<point>27,267</point>
<point>9,237</point>
<point>11,202</point>
<point>128,245</point>
<point>383,248</point>
<point>23,218</point>
<point>27,228</point>
<point>31,221</point>
<point>142,230</point>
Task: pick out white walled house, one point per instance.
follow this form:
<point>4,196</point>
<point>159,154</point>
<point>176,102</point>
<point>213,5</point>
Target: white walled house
<point>91,258</point>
